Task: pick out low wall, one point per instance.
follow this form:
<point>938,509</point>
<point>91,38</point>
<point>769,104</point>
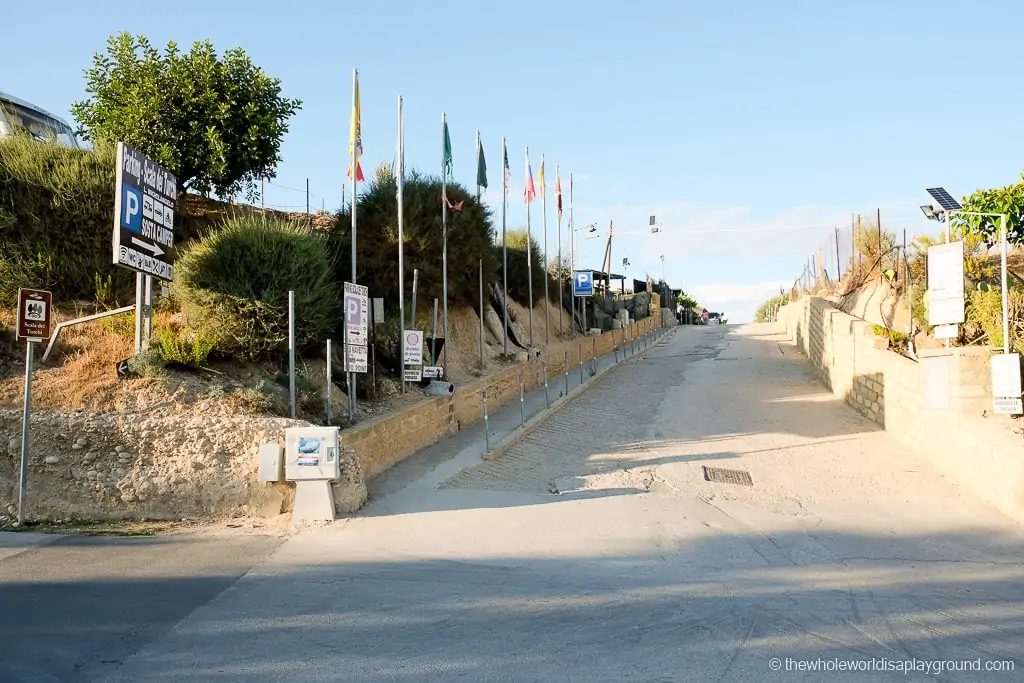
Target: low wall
<point>389,440</point>
<point>168,465</point>
<point>936,405</point>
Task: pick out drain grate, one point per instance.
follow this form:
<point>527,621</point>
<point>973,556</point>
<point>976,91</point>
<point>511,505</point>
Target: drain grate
<point>722,476</point>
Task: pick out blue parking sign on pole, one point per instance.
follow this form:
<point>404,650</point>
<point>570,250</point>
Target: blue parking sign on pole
<point>583,283</point>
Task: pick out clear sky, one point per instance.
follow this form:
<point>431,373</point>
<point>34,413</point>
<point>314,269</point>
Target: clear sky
<point>748,128</point>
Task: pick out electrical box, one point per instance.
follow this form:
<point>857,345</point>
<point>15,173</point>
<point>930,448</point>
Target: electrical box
<point>311,453</point>
<point>270,462</point>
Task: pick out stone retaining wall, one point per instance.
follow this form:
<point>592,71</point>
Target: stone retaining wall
<point>980,453</point>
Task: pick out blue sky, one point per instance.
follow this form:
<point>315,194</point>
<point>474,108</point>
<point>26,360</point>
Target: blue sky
<point>748,128</point>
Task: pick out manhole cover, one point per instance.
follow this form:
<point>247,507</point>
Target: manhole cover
<point>722,476</point>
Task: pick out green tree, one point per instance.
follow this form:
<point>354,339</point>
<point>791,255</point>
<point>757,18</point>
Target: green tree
<point>1008,200</point>
<point>217,123</point>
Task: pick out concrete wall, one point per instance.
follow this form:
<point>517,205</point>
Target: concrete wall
<point>389,440</point>
<point>979,453</point>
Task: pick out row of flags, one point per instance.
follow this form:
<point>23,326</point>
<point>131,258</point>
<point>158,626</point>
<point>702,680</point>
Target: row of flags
<point>355,152</point>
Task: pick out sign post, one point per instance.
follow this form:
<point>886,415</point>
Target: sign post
<point>412,355</point>
<point>357,332</point>
<point>35,308</point>
<point>145,198</point>
<point>946,288</point>
<point>582,287</point>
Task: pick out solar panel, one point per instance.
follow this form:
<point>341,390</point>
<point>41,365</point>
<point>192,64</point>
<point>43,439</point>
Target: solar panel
<point>944,199</point>
<point>652,220</point>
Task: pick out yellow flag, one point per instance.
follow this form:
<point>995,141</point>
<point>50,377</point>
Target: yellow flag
<point>540,175</point>
<point>355,139</point>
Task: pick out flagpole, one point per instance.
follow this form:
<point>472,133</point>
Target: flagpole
<point>478,164</point>
<point>504,245</point>
<point>444,230</point>
<point>572,257</point>
<point>478,150</point>
<point>529,252</point>
<point>561,300</point>
<point>355,179</point>
<point>401,244</point>
<point>544,209</point>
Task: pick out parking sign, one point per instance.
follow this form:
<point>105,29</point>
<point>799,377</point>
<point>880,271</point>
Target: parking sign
<point>583,283</point>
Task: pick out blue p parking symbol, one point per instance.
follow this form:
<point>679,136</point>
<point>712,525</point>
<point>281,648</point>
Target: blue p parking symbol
<point>583,283</point>
<point>131,209</point>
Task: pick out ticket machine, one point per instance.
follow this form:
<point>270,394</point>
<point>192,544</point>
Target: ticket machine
<point>312,462</point>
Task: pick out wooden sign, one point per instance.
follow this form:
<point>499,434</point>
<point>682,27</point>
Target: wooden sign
<point>35,310</point>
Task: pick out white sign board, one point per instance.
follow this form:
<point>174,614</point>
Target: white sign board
<point>1008,406</point>
<point>1006,375</point>
<point>378,310</point>
<point>433,371</point>
<point>412,347</point>
<point>413,374</point>
<point>946,331</point>
<point>357,314</point>
<point>946,284</point>
<point>936,382</point>
<point>356,359</point>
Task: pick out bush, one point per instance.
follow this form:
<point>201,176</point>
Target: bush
<point>518,272</point>
<point>184,349</point>
<point>56,218</point>
<point>232,286</point>
<point>470,233</point>
<point>769,307</point>
<point>984,313</point>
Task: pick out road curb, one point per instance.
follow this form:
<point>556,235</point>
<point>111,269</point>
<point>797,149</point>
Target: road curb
<point>515,437</point>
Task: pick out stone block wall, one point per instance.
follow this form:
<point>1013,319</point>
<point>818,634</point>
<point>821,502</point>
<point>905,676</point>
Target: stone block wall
<point>980,453</point>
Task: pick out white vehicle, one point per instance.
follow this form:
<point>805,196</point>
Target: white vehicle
<point>41,124</point>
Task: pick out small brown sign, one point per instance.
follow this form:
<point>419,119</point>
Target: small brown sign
<point>34,312</point>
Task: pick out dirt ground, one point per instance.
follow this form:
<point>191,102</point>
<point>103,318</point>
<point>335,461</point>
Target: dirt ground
<point>81,373</point>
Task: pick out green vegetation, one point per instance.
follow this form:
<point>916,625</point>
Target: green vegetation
<point>232,285</point>
<point>183,348</point>
<point>768,308</point>
<point>470,233</point>
<point>1008,200</point>
<point>217,123</point>
<point>56,214</point>
<point>898,341</point>
<point>985,317</point>
<point>518,270</point>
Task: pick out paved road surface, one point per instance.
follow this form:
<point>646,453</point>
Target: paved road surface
<point>594,550</point>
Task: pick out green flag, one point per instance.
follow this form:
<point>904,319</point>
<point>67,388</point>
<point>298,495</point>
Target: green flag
<point>447,151</point>
<point>481,165</point>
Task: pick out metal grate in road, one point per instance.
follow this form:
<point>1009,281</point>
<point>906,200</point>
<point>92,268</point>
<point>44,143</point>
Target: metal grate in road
<point>723,476</point>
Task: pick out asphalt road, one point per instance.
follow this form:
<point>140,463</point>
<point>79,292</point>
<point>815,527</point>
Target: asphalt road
<point>74,608</point>
<point>595,550</point>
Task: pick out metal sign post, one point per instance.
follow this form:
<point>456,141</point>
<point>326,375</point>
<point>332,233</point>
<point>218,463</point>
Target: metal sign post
<point>35,309</point>
<point>357,333</point>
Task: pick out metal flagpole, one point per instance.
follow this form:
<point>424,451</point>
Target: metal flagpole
<point>478,150</point>
<point>572,257</point>
<point>444,231</point>
<point>357,143</point>
<point>504,244</point>
<point>401,242</point>
<point>561,299</point>
<point>529,252</point>
<point>544,205</point>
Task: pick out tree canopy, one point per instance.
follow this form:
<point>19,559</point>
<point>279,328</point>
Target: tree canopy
<point>217,123</point>
<point>1008,200</point>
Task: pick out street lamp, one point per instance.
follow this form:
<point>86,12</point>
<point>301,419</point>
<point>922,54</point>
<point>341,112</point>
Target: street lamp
<point>950,207</point>
<point>572,248</point>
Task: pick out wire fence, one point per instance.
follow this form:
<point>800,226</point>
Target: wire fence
<point>850,254</point>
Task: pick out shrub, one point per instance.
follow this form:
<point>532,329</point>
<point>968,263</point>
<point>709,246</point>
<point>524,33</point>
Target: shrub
<point>470,233</point>
<point>518,272</point>
<point>232,286</point>
<point>984,313</point>
<point>56,217</point>
<point>183,348</point>
<point>769,307</point>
